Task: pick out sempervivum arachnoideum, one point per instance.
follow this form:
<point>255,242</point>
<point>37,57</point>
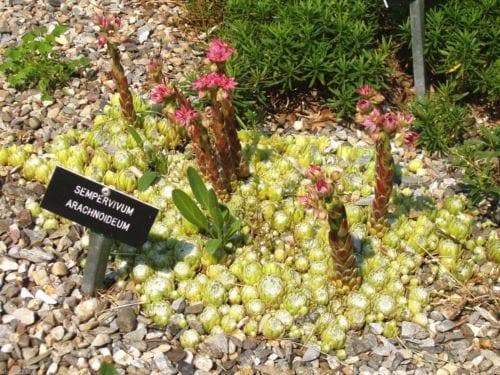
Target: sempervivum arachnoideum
<point>279,283</point>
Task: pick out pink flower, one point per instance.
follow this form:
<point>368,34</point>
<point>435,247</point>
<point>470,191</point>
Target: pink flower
<point>373,120</point>
<point>366,91</point>
<point>118,22</point>
<point>227,83</point>
<point>213,81</point>
<point>313,172</point>
<point>153,65</point>
<point>219,51</point>
<point>405,118</point>
<point>364,106</point>
<point>323,188</point>
<point>159,93</point>
<point>390,122</point>
<point>103,21</point>
<point>185,114</point>
<point>305,201</point>
<point>101,41</point>
<point>108,23</point>
<point>411,138</point>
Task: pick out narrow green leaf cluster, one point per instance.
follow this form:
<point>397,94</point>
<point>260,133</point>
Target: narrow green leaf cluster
<point>441,121</point>
<point>107,369</point>
<point>35,63</point>
<point>480,159</point>
<point>461,44</point>
<point>213,219</point>
<point>290,46</point>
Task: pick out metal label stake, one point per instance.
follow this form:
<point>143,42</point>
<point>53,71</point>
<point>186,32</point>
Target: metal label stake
<point>97,262</point>
<point>417,44</point>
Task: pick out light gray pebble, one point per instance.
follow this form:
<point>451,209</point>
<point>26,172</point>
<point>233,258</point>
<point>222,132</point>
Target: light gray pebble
<point>86,309</point>
<point>100,340</point>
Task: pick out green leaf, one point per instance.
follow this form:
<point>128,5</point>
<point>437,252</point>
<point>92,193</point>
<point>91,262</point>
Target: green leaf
<point>147,179</point>
<point>135,135</point>
<point>234,228</point>
<point>213,245</point>
<point>107,369</point>
<point>188,208</point>
<point>215,212</point>
<point>198,188</point>
<point>59,30</point>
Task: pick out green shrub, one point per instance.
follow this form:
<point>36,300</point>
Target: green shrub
<point>285,47</point>
<point>35,63</point>
<point>479,157</point>
<point>462,41</point>
<point>440,120</point>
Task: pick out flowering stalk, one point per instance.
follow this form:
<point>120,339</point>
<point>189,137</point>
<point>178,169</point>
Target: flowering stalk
<point>326,204</point>
<point>118,73</point>
<point>381,127</point>
<point>341,241</point>
<point>384,171</point>
<point>240,164</point>
<point>212,120</point>
<point>221,139</point>
<point>204,153</point>
<point>108,26</point>
<point>220,85</point>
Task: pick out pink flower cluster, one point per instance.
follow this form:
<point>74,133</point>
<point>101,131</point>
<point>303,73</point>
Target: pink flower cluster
<point>185,114</point>
<point>366,91</point>
<point>214,81</point>
<point>375,121</point>
<point>160,93</point>
<point>320,189</point>
<point>219,51</point>
<point>101,41</point>
<point>107,25</point>
<point>108,22</point>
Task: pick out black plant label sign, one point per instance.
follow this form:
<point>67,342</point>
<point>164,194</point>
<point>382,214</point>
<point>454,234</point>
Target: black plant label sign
<point>100,208</point>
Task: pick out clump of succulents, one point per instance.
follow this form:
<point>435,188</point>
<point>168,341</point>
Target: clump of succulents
<point>278,283</point>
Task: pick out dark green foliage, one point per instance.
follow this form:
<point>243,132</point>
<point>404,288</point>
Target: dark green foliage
<point>440,120</point>
<point>213,218</point>
<point>289,46</point>
<point>107,369</point>
<point>480,157</point>
<point>35,63</point>
<point>462,41</point>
